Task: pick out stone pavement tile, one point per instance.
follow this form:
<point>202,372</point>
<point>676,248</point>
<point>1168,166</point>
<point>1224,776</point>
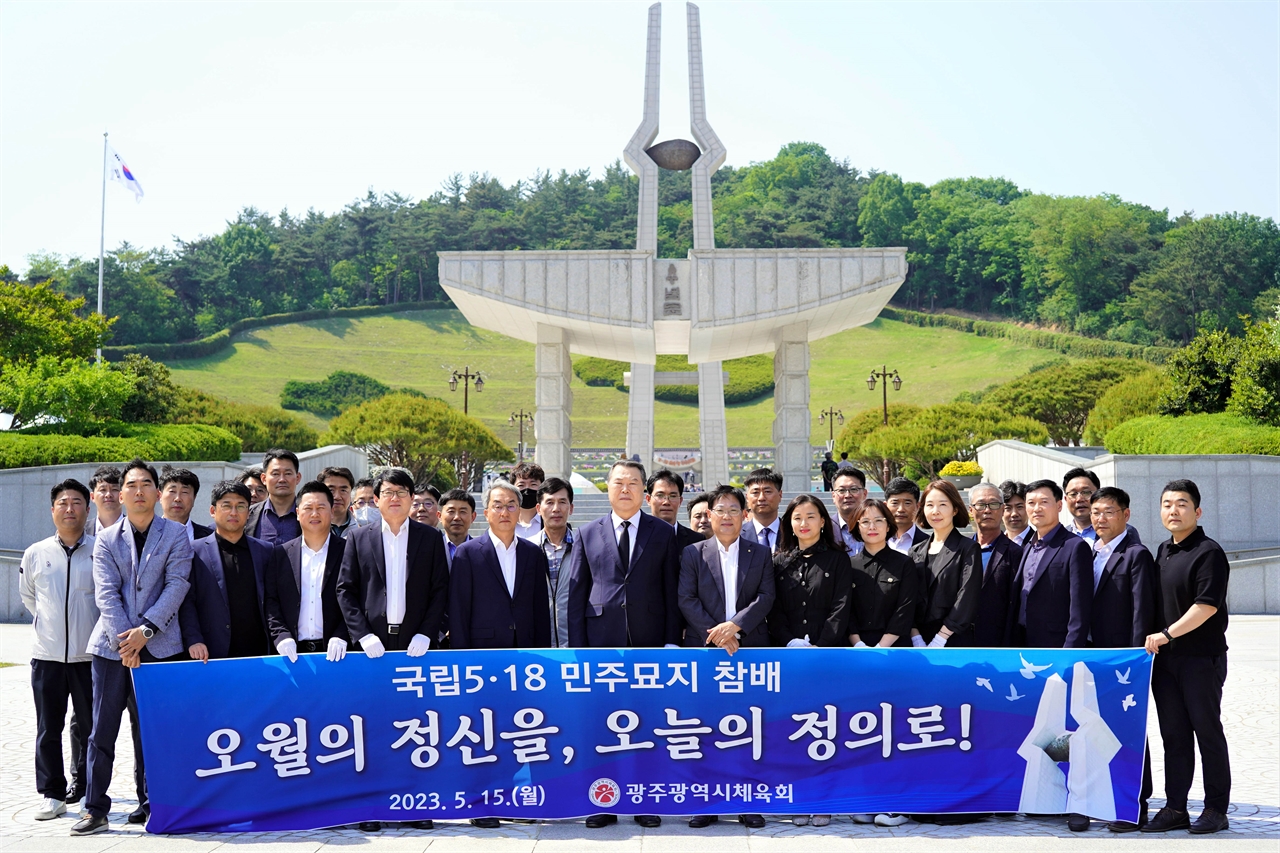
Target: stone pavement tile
<point>675,836</point>
<point>166,844</point>
<point>480,844</point>
<point>383,843</point>
<point>64,844</point>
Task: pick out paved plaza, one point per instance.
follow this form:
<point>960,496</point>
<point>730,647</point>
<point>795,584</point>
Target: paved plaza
<point>1250,706</point>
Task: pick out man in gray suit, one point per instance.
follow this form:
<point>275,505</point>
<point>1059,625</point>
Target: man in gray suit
<point>141,571</point>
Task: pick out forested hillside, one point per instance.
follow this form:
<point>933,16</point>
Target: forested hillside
<point>1100,266</point>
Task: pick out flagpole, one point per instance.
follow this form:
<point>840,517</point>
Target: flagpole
<point>102,232</point>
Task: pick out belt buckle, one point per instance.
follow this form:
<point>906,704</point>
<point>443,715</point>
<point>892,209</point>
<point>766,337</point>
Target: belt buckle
<point>393,629</point>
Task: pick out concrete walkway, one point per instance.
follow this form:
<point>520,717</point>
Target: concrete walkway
<point>1250,706</point>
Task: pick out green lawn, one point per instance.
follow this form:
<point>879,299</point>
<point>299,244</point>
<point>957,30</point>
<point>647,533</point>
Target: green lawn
<point>420,349</point>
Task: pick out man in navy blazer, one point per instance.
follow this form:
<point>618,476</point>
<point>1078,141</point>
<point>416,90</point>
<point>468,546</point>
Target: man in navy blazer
<point>302,583</point>
<point>623,575</point>
<point>1000,558</point>
<point>223,614</point>
<point>498,586</point>
<point>1053,587</point>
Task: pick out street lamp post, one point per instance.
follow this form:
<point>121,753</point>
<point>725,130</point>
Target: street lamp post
<point>521,416</point>
<point>885,378</point>
<point>466,377</point>
<point>830,416</point>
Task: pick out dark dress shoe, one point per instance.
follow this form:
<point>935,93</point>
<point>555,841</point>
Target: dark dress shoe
<point>370,826</point>
<point>1210,820</point>
<point>1168,819</point>
<point>486,822</point>
<point>596,821</point>
<point>422,824</point>
<point>74,796</point>
<point>1078,822</point>
<point>648,821</point>
<point>91,825</point>
<point>751,821</point>
<point>1125,826</point>
<point>698,821</point>
<point>139,815</point>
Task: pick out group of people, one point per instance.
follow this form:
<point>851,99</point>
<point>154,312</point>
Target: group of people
<point>337,565</point>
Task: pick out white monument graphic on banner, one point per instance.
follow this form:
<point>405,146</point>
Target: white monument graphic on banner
<point>713,305</point>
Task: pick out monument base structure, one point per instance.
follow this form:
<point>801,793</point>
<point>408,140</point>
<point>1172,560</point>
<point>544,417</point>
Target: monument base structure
<point>714,305</point>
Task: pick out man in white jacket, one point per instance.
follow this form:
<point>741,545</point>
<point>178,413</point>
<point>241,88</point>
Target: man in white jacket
<point>56,584</point>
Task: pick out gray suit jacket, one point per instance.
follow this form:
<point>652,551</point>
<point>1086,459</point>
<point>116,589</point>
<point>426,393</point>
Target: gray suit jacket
<point>153,591</point>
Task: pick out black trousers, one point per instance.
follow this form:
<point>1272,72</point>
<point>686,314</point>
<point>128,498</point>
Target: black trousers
<point>112,696</point>
<point>53,683</point>
<point>1188,694</point>
<point>80,749</point>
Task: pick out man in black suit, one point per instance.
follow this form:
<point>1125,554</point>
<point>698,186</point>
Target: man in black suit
<point>1000,558</point>
<point>302,583</point>
<point>1053,587</point>
<point>623,575</point>
<point>393,586</point>
<point>222,615</point>
<point>664,492</point>
<point>1124,600</point>
<point>178,490</point>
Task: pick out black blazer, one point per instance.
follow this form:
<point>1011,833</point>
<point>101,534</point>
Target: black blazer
<point>483,614</point>
<point>362,585</point>
<point>686,536</point>
<point>702,592</point>
<point>1124,601</point>
<point>814,594</point>
<point>609,610</point>
<point>991,624</point>
<point>886,591</point>
<point>1060,601</point>
<point>284,591</point>
<point>949,591</point>
<point>199,531</point>
<point>205,615</point>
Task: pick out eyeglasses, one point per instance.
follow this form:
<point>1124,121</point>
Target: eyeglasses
<point>730,512</point>
<point>363,502</point>
<point>988,506</point>
<point>502,509</point>
<point>850,491</point>
<point>1078,495</point>
<point>1106,513</point>
<point>394,494</point>
<point>869,523</point>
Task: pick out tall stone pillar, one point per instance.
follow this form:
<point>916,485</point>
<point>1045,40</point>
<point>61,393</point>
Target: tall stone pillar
<point>553,402</point>
<point>640,414</point>
<point>712,426</point>
<point>792,453</point>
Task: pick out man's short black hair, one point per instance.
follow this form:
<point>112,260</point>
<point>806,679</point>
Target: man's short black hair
<point>315,487</point>
<point>528,471</point>
<point>363,483</point>
<point>253,472</point>
<point>628,463</point>
<point>763,475</point>
<point>699,498</point>
<point>229,487</point>
<point>1183,486</point>
<point>336,471</point>
<point>68,485</point>
<point>1111,493</point>
<point>555,484</point>
<point>142,465</point>
<point>458,495</point>
<point>427,489</point>
<point>850,472</point>
<point>723,491</point>
<point>1080,472</point>
<point>105,474</point>
<point>182,476</point>
<point>280,453</point>
<point>1046,484</point>
<point>902,486</point>
<point>844,455</point>
<point>1011,489</point>
<point>395,477</point>
<point>666,475</point>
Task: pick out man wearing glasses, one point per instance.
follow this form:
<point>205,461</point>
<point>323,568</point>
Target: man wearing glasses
<point>1078,487</point>
<point>850,489</point>
<point>1000,558</point>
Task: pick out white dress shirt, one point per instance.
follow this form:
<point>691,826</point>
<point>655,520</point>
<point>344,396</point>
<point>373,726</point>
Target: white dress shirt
<point>507,560</point>
<point>311,609</point>
<point>853,546</point>
<point>1021,538</point>
<point>772,527</point>
<point>395,550</point>
<point>99,527</point>
<point>902,544</point>
<point>1102,554</point>
<point>631,531</point>
<point>729,568</point>
<point>530,530</point>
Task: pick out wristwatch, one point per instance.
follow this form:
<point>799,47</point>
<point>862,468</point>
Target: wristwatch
<point>147,632</point>
<point>1167,635</point>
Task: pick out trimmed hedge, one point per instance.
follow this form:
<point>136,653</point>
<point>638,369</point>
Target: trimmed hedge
<point>1076,345</point>
<point>327,397</point>
<point>260,427</point>
<point>171,443</point>
<point>749,377</point>
<point>220,340</point>
<point>1193,434</point>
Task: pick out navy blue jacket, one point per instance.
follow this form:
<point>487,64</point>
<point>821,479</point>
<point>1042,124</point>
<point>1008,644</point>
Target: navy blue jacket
<point>1124,602</point>
<point>992,622</point>
<point>483,614</point>
<point>1059,604</point>
<point>702,592</point>
<point>362,585</point>
<point>284,591</point>
<point>205,615</point>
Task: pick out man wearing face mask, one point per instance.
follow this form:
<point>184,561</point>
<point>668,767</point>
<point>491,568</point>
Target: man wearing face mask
<point>528,478</point>
<point>364,506</point>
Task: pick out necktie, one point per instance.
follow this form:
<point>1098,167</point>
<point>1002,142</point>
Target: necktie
<point>624,549</point>
<point>764,531</point>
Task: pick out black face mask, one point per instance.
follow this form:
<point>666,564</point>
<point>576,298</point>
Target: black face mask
<point>528,498</point>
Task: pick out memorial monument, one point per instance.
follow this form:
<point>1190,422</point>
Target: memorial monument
<point>713,305</point>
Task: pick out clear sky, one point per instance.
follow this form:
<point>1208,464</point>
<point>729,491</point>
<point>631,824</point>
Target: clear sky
<point>217,106</point>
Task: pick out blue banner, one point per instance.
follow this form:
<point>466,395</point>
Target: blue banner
<point>262,744</point>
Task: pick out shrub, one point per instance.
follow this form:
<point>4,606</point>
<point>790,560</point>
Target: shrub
<point>155,398</point>
<point>326,398</point>
<point>749,377</point>
<point>1128,399</point>
<point>1255,383</point>
<point>1200,375</point>
<point>1193,434</point>
<point>260,428</point>
<point>961,469</point>
<point>169,443</point>
<point>1061,397</point>
<point>71,391</point>
<point>948,431</point>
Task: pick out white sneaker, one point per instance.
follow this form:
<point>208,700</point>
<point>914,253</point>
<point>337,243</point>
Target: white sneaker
<point>891,819</point>
<point>821,819</point>
<point>863,818</point>
<point>800,820</point>
<point>50,809</point>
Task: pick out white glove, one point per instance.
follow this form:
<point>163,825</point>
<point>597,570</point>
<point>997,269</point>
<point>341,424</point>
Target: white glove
<point>372,646</point>
<point>289,648</point>
<point>671,646</point>
<point>861,645</point>
<point>418,646</point>
<point>917,641</point>
<point>937,642</point>
<point>337,649</point>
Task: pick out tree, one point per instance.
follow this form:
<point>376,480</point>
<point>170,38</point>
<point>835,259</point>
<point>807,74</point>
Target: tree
<point>434,441</point>
<point>154,399</point>
<point>850,440</point>
<point>73,392</point>
<point>939,434</point>
<point>1200,375</point>
<point>260,428</point>
<point>1135,397</point>
<point>1255,382</point>
<point>37,321</point>
<point>328,397</point>
<point>1061,397</point>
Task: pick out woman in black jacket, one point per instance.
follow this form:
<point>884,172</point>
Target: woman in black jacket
<point>812,574</point>
<point>949,566</point>
<point>884,583</point>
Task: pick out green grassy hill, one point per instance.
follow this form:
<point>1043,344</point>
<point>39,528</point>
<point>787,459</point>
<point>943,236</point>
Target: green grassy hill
<point>420,350</point>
